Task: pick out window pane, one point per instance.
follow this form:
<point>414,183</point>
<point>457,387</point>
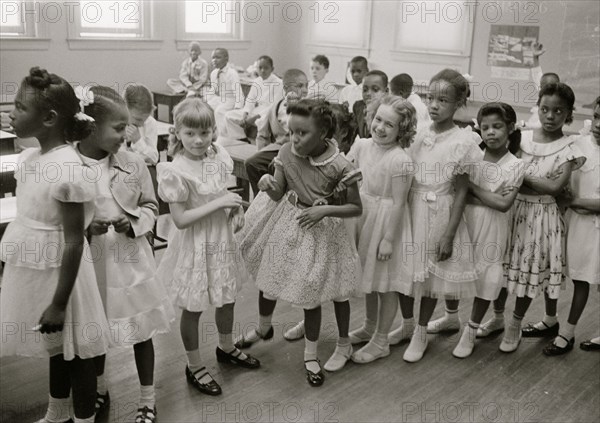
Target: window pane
<point>332,23</point>
<point>10,14</point>
<point>208,16</point>
<point>117,15</point>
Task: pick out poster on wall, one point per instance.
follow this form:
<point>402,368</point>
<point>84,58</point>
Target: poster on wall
<point>510,51</point>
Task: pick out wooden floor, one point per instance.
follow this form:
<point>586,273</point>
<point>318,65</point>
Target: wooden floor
<point>487,387</point>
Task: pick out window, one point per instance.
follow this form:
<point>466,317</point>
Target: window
<point>116,19</point>
<point>98,24</point>
<point>21,27</point>
<point>218,21</point>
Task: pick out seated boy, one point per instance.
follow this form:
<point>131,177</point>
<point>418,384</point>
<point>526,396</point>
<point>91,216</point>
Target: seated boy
<point>320,87</point>
<point>353,93</point>
<point>193,73</point>
<point>225,92</point>
<point>375,85</point>
<point>264,91</point>
<point>273,130</point>
<point>402,85</point>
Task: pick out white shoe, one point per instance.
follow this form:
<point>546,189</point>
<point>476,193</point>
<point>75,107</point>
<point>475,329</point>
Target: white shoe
<point>444,324</point>
<point>295,333</point>
<point>490,327</point>
<point>360,335</point>
<point>465,345</point>
<point>338,359</point>
<point>510,344</point>
<point>416,348</point>
<point>370,352</point>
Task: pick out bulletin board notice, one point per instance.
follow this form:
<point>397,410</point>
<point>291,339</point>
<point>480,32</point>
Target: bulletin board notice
<point>510,50</point>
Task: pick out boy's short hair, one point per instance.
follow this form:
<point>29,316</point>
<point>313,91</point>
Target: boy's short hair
<point>401,84</point>
<point>195,45</point>
<point>224,51</point>
<point>381,74</point>
<point>267,59</point>
<point>360,59</point>
<point>322,60</point>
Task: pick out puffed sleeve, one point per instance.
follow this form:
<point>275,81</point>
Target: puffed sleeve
<point>70,184</point>
<point>354,153</point>
<point>171,186</point>
<point>349,173</point>
<point>467,155</point>
<point>402,166</point>
<point>517,173</point>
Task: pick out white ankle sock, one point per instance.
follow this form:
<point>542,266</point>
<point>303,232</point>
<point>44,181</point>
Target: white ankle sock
<point>226,342</point>
<point>310,353</point>
<point>101,384</point>
<point>595,340</point>
<point>194,360</point>
<point>549,321</point>
<point>88,420</point>
<point>147,396</point>
<point>59,409</point>
<point>567,331</point>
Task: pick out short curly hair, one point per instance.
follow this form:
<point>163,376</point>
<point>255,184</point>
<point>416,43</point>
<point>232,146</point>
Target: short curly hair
<point>407,123</point>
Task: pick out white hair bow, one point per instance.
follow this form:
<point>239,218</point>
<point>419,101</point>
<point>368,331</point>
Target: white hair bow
<point>86,97</point>
<point>468,77</point>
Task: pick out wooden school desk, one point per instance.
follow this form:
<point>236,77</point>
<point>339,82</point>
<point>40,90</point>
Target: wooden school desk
<point>7,142</point>
<point>8,166</point>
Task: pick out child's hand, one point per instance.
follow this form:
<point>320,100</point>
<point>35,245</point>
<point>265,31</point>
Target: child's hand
<point>132,133</point>
<point>99,226</point>
<point>121,224</point>
<point>229,201</point>
<point>555,174</point>
<point>507,190</point>
<point>310,217</point>
<point>444,248</point>
<point>266,183</point>
<point>238,221</point>
<point>384,252</point>
<point>52,320</point>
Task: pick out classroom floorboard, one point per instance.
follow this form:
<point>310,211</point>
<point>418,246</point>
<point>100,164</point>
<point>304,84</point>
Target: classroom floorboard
<point>489,386</point>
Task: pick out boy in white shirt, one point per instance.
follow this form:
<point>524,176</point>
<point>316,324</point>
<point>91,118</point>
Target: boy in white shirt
<point>353,93</point>
<point>193,73</point>
<point>225,92</point>
<point>321,87</point>
<point>402,85</point>
<point>265,90</point>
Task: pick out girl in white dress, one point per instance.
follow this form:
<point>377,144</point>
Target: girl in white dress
<point>136,302</point>
<point>583,237</point>
<point>49,284</point>
<point>537,251</point>
<point>384,229</point>
<point>444,155</point>
<point>202,265</point>
<point>493,189</point>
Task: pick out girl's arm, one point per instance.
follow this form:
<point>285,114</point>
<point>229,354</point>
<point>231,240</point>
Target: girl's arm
<point>550,186</point>
<point>274,186</point>
<point>494,200</point>
<point>353,207</point>
<point>461,186</point>
<point>400,189</point>
<point>53,318</point>
<point>147,203</point>
<point>185,218</point>
<point>589,204</point>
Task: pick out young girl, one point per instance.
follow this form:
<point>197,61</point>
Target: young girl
<point>537,250</point>
<point>53,289</point>
<point>303,254</point>
<point>583,237</point>
<point>444,155</point>
<point>486,211</point>
<point>384,229</point>
<point>141,134</point>
<point>136,303</point>
<point>202,265</point>
<point>345,134</point>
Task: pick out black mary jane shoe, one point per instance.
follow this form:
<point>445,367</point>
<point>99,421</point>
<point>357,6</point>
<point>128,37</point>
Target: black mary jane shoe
<point>314,379</point>
<point>552,349</point>
<point>102,404</point>
<point>246,343</point>
<point>234,358</point>
<point>530,331</point>
<point>589,346</point>
<point>146,415</point>
<point>210,388</point>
